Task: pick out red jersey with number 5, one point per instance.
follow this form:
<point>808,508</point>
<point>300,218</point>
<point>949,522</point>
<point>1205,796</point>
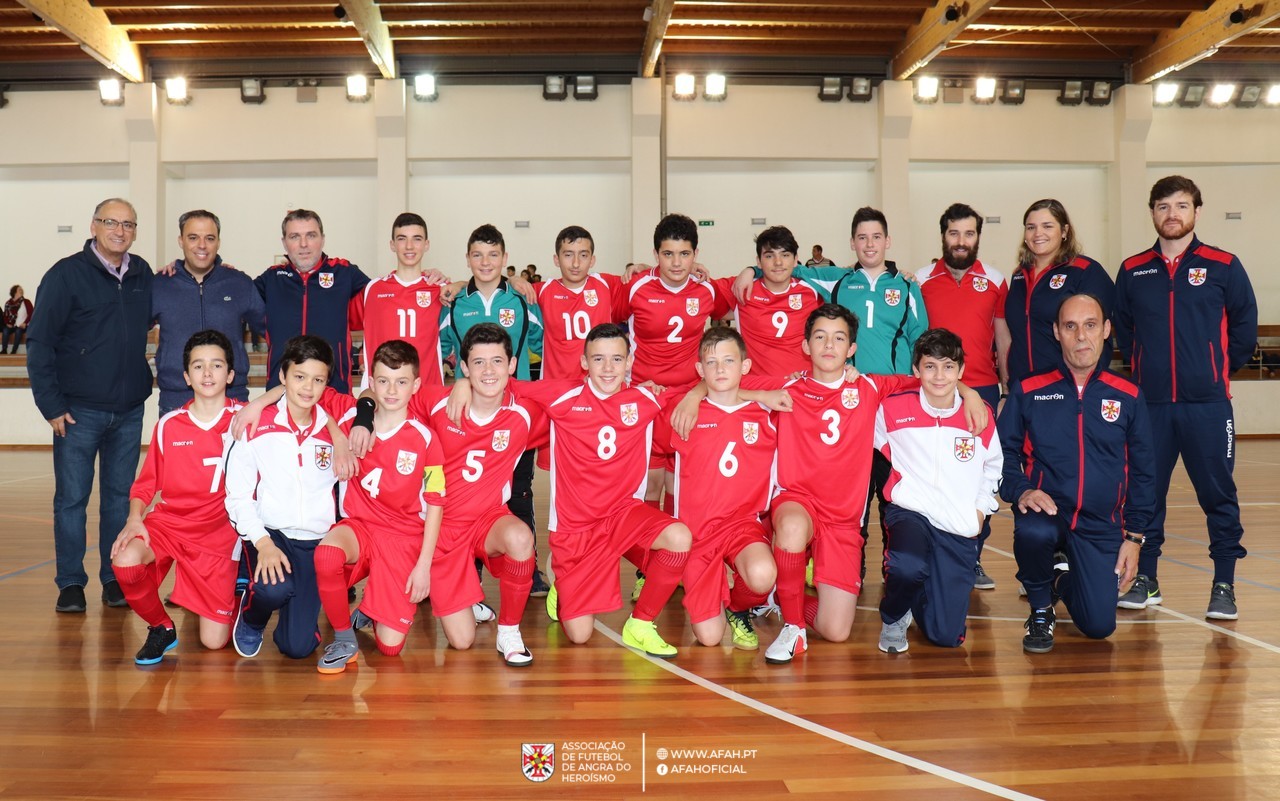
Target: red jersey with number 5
<point>185,465</point>
<point>389,309</point>
<point>666,325</point>
<point>567,316</point>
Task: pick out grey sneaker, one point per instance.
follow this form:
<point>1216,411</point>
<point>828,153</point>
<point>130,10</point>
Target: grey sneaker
<point>1144,592</point>
<point>359,620</point>
<point>1222,602</point>
<point>981,581</point>
<point>893,636</point>
<point>337,655</point>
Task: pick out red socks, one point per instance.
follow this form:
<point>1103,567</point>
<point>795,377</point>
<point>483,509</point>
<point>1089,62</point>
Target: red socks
<point>331,582</point>
<point>790,592</point>
<point>810,610</point>
<point>388,650</point>
<point>742,598</point>
<point>662,576</point>
<point>143,595</point>
<point>514,582</point>
<point>636,555</point>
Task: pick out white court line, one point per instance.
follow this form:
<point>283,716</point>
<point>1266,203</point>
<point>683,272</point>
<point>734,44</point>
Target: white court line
<point>1197,506</point>
<point>823,731</point>
<point>1266,646</point>
<point>1119,620</point>
<point>25,478</point>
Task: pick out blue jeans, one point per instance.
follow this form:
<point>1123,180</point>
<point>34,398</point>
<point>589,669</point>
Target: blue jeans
<point>114,438</point>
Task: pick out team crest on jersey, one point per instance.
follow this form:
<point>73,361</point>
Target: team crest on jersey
<point>1196,275</point>
<point>405,462</point>
<point>630,414</point>
<point>750,433</point>
<point>849,397</point>
<point>424,298</point>
<point>538,761</point>
<point>590,297</point>
<point>691,306</point>
<point>893,296</point>
<point>1057,281</point>
<point>507,317</point>
<point>964,449</point>
<point>326,280</point>
<point>501,439</point>
<point>324,456</point>
<point>980,284</point>
<point>795,302</point>
<point>1110,410</point>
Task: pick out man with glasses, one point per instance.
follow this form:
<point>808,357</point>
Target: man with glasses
<point>87,361</point>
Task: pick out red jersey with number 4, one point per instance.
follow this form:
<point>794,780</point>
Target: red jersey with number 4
<point>830,428</point>
<point>725,471</point>
<point>567,316</point>
<point>185,464</point>
<point>389,309</point>
<point>480,455</point>
<point>599,448</point>
<point>666,325</point>
<point>772,324</point>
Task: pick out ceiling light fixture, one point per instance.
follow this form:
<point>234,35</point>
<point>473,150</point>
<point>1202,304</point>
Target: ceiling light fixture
<point>860,89</point>
<point>252,90</point>
<point>714,86</point>
<point>984,91</point>
<point>1221,94</point>
<point>685,87</point>
<point>175,91</point>
<point>110,92</point>
<point>831,90</point>
<point>424,87</point>
<point>1099,93</point>
<point>554,88</point>
<point>1013,92</point>
<point>926,89</point>
<point>358,88</point>
<point>584,88</point>
<point>1165,93</point>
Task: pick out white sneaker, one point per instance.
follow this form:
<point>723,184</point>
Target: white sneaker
<point>483,612</point>
<point>791,640</point>
<point>769,607</point>
<point>893,636</point>
<point>511,646</point>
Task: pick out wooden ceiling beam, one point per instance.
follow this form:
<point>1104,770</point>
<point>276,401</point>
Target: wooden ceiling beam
<point>660,17</point>
<point>89,27</point>
<point>1199,37</point>
<point>367,19</point>
<point>779,34</point>
<point>933,33</point>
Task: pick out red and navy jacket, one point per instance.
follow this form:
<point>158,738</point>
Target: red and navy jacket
<point>314,303</point>
<point>1031,309</point>
<point>1089,449</point>
<point>1185,325</point>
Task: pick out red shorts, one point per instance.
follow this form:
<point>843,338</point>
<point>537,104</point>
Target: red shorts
<point>586,562</point>
<point>386,558</point>
<point>203,582</point>
<point>706,584</point>
<point>661,456</point>
<point>454,583</point>
<point>836,547</point>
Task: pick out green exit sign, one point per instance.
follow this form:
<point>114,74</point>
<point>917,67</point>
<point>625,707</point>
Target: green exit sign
<point>706,223</point>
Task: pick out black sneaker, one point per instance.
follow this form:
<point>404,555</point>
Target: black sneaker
<point>112,595</point>
<point>70,599</point>
<point>540,587</point>
<point>1222,602</point>
<point>1060,568</point>
<point>1144,592</point>
<point>1039,627</point>
<point>160,640</point>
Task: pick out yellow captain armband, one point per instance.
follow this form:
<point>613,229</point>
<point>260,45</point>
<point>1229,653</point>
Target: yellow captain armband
<point>433,479</point>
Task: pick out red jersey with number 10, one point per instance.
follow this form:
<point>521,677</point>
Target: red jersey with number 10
<point>567,316</point>
<point>389,309</point>
<point>666,327</point>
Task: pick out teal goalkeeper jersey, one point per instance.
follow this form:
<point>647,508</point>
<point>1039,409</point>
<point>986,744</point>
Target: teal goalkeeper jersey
<point>521,320</point>
<point>890,312</point>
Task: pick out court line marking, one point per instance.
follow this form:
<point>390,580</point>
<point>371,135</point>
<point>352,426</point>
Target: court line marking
<point>1266,646</point>
<point>25,478</point>
<point>820,730</point>
<point>22,570</point>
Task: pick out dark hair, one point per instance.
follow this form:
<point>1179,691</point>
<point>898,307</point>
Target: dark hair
<point>1057,317</point>
<point>1172,185</point>
<point>938,343</point>
<point>868,214</point>
<point>13,290</point>
<point>956,212</point>
<point>407,218</point>
<point>199,214</point>
<point>1069,248</point>
<point>209,336</point>
<point>487,234</point>
<point>606,331</point>
<point>777,238</point>
<point>832,311</point>
<point>721,333</point>
<point>396,353</point>
<point>298,215</point>
<point>677,228</point>
<point>572,233</point>
<point>484,334</point>
<point>304,348</point>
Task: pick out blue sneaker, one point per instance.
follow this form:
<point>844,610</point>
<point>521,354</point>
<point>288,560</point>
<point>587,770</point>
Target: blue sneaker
<point>160,640</point>
<point>247,639</point>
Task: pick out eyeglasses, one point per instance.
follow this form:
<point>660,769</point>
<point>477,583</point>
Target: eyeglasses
<point>112,225</point>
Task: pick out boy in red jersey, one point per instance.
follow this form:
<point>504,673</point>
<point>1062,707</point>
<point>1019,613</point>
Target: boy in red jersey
<point>601,431</point>
<point>573,304</point>
<point>391,516</point>
<point>724,477</point>
<point>404,304</point>
<point>189,527</point>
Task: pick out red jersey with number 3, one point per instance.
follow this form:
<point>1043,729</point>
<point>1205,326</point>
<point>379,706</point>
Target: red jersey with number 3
<point>567,316</point>
<point>185,465</point>
<point>726,470</point>
<point>599,448</point>
<point>389,309</point>
<point>772,324</point>
<point>666,325</point>
<point>830,425</point>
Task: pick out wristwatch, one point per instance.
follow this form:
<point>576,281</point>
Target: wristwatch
<point>1135,538</point>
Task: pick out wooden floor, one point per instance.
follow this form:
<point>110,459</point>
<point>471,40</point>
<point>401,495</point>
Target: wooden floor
<point>1171,707</point>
